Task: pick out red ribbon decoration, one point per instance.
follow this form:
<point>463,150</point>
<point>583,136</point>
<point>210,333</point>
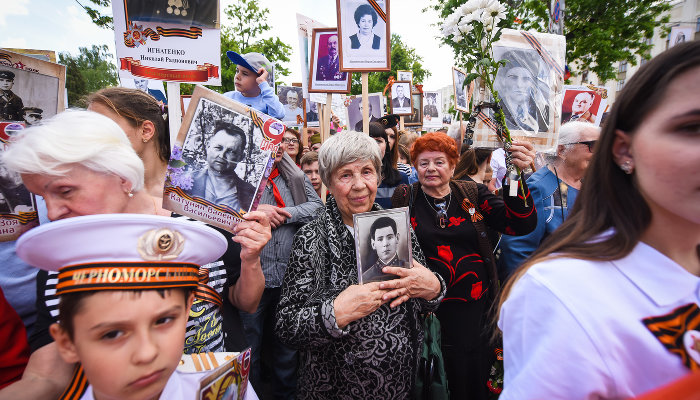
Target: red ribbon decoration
<point>276,192</point>
<point>201,74</point>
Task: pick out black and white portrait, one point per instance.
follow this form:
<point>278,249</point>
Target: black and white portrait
<point>522,84</point>
<point>221,159</point>
<point>416,117</point>
<point>432,109</point>
<point>311,113</point>
<point>292,98</point>
<point>402,75</point>
<point>355,110</point>
<point>204,13</point>
<point>26,93</point>
<point>401,98</point>
<point>382,238</point>
<point>460,91</point>
<point>364,35</point>
<point>680,34</point>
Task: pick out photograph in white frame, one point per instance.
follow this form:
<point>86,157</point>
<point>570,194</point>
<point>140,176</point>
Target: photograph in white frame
<point>460,90</point>
<point>401,98</point>
<point>403,75</point>
<point>583,103</point>
<point>364,35</point>
<point>432,112</point>
<point>382,238</point>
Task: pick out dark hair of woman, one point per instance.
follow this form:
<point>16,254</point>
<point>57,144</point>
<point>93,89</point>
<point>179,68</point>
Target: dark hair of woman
<point>390,175</point>
<point>609,198</point>
<point>470,161</point>
<point>296,133</point>
<point>403,151</point>
<point>137,106</point>
<point>363,10</point>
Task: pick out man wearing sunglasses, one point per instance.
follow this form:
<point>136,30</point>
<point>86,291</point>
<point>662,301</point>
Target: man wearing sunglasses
<point>554,190</point>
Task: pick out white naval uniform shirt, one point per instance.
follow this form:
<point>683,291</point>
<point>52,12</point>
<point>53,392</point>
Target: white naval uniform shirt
<point>572,329</point>
<point>182,386</point>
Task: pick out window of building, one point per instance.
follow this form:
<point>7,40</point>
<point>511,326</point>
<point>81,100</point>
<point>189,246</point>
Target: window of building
<point>622,67</point>
<point>584,77</point>
<point>620,84</point>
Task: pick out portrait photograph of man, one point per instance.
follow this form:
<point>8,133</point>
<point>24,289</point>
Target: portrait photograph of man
<point>291,97</point>
<point>401,98</point>
<point>460,91</point>
<point>416,118</point>
<point>326,76</point>
<point>355,109</point>
<point>11,104</point>
<point>383,239</point>
<point>583,103</point>
<point>430,108</point>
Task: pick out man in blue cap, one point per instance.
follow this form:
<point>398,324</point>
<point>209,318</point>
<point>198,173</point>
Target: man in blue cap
<point>253,84</point>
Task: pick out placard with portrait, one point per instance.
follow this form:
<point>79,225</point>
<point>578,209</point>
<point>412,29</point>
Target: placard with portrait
<point>365,39</point>
<point>401,98</point>
<point>530,86</point>
<point>584,103</point>
<point>416,117</point>
<point>325,75</point>
<point>460,91</point>
<point>292,98</point>
<point>31,90</point>
<point>221,159</point>
<point>354,109</point>
<point>382,238</point>
<point>432,109</point>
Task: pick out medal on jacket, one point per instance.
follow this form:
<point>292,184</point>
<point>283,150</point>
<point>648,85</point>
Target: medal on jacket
<point>471,209</point>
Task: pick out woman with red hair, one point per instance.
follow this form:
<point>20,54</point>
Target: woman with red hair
<point>449,218</point>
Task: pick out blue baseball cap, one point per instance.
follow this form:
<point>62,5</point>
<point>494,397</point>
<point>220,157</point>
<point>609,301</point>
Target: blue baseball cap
<point>252,61</point>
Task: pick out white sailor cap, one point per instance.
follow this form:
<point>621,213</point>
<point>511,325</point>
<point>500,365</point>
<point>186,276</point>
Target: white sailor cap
<point>121,251</point>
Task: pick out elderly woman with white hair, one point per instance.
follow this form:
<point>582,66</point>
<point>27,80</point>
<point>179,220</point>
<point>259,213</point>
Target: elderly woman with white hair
<point>82,163</point>
<point>355,341</point>
<point>554,190</point>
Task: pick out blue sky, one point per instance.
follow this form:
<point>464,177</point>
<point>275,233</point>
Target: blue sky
<point>61,25</point>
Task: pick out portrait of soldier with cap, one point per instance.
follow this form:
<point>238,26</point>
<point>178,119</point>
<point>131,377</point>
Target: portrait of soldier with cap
<point>32,115</point>
<point>11,105</point>
<point>384,239</point>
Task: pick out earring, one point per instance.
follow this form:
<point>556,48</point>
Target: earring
<point>130,193</point>
<point>627,167</point>
<point>145,140</point>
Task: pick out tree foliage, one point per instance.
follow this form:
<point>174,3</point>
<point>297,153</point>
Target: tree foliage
<point>99,19</point>
<point>403,57</point>
<point>598,33</point>
<point>92,69</point>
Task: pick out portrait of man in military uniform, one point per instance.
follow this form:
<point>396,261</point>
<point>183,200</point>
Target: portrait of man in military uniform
<point>384,239</point>
<point>11,105</point>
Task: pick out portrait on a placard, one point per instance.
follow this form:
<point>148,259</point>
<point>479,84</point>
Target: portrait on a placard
<point>401,98</point>
<point>382,238</point>
<point>582,104</point>
<point>204,13</point>
<point>460,90</point>
<point>311,109</point>
<point>403,75</point>
<point>354,107</point>
<point>364,35</point>
<point>432,109</point>
<point>292,99</point>
<point>326,76</point>
<point>416,117</point>
<point>680,34</point>
<point>220,160</point>
<point>26,96</point>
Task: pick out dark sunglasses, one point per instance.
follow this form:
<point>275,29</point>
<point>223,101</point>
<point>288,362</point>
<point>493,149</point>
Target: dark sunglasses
<point>589,143</point>
<point>441,216</point>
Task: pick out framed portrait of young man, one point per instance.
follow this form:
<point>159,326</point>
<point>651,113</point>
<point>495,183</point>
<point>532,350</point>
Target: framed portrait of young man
<point>404,75</point>
<point>530,86</point>
<point>354,110</point>
<point>432,110</point>
<point>325,75</point>
<point>401,98</point>
<point>459,90</point>
<point>365,39</point>
<point>31,90</point>
<point>382,239</point>
<point>221,159</point>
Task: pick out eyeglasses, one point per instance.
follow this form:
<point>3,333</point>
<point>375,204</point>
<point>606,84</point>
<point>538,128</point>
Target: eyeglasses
<point>290,141</point>
<point>589,143</point>
<point>441,214</point>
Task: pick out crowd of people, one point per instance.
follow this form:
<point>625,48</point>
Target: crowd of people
<point>585,283</point>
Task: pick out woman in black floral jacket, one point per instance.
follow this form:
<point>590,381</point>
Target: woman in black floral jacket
<point>355,341</point>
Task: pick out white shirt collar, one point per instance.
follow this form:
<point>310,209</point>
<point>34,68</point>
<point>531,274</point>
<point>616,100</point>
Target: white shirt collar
<point>663,280</point>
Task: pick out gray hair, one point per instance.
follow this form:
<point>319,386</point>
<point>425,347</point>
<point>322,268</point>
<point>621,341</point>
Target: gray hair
<point>570,133</point>
<point>75,137</point>
<point>345,148</point>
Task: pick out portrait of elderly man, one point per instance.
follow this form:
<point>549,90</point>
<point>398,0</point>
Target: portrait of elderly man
<point>328,66</point>
<point>523,104</point>
<point>358,124</point>
<point>581,109</point>
<point>218,182</point>
<point>291,105</point>
<point>384,239</point>
<point>400,101</point>
<point>554,190</point>
<point>11,105</point>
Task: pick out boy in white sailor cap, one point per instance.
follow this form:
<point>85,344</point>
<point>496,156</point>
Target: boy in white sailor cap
<point>124,304</point>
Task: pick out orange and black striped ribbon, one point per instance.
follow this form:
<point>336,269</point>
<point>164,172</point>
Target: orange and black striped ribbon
<point>378,9</point>
<point>78,385</point>
<point>256,119</point>
<point>205,292</point>
<point>126,276</point>
<point>5,57</point>
<point>23,217</point>
<point>488,121</point>
<point>543,52</point>
<point>670,329</point>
